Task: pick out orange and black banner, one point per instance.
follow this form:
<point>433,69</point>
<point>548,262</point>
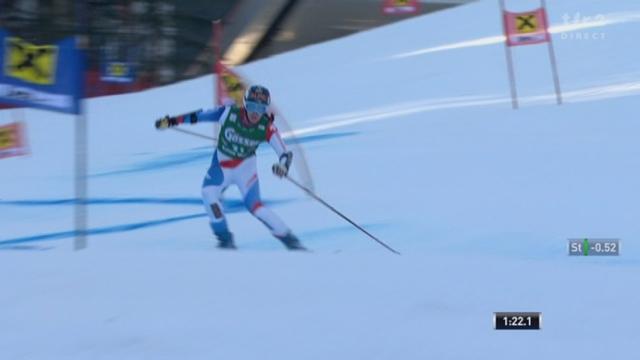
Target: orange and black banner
<point>12,141</point>
<point>231,86</point>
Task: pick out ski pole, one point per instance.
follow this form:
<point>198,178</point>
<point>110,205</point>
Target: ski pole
<point>313,195</point>
<point>193,133</point>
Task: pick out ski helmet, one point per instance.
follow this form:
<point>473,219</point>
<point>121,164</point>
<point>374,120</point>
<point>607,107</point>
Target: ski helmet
<point>257,98</point>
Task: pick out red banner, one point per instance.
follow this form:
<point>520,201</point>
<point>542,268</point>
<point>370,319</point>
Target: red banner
<point>393,7</point>
<point>526,28</point>
<point>12,141</point>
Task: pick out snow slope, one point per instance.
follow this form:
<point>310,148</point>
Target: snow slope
<point>408,129</point>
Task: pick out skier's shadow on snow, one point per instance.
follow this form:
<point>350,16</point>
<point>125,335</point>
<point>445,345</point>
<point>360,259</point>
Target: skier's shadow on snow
<point>203,154</point>
<point>230,205</point>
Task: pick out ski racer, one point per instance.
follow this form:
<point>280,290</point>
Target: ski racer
<point>242,129</point>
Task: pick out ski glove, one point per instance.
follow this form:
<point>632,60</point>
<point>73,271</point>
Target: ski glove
<point>282,168</point>
<point>166,122</point>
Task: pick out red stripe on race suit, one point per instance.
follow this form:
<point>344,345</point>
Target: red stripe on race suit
<point>256,206</point>
<point>252,179</point>
<point>270,131</point>
<point>271,128</point>
<point>231,163</point>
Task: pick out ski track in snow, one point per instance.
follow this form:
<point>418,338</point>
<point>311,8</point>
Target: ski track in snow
<point>395,111</point>
<point>392,112</point>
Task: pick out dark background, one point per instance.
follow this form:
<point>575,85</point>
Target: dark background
<point>170,40</point>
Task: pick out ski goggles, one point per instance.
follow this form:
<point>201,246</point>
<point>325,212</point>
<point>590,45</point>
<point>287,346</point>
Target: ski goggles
<point>252,106</point>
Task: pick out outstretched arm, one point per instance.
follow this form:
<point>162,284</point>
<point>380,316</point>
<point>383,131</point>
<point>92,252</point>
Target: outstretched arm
<point>213,115</point>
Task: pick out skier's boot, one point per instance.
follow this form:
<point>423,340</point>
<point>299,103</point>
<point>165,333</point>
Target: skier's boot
<point>291,242</point>
<point>225,241</point>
